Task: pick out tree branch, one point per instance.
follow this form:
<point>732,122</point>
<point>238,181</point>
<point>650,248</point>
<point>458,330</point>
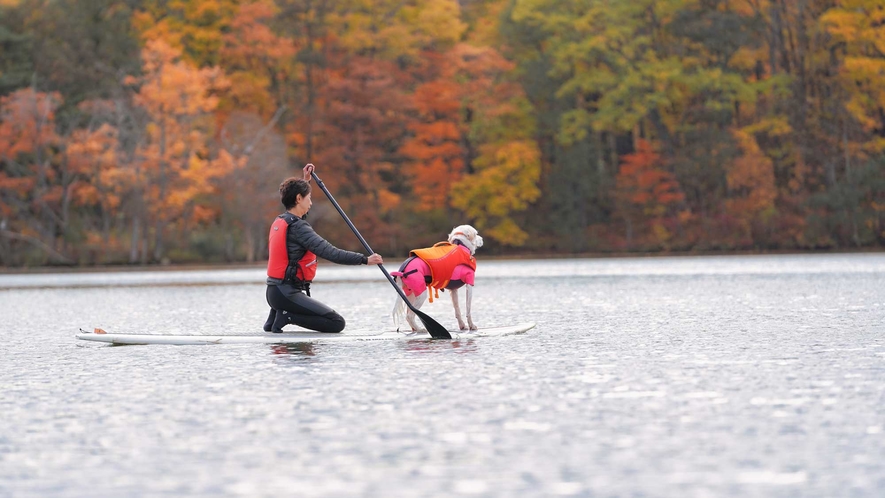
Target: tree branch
<point>258,136</point>
<point>36,242</point>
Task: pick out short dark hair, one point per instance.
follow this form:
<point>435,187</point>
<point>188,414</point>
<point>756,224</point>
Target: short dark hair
<point>290,189</point>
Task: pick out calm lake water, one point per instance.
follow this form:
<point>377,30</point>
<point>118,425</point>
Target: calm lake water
<point>695,376</point>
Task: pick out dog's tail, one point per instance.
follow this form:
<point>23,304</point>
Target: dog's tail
<point>399,310</point>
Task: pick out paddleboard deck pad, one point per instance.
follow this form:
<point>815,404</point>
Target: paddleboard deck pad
<point>215,337</point>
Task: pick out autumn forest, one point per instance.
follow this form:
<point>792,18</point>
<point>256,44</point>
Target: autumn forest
<point>156,131</point>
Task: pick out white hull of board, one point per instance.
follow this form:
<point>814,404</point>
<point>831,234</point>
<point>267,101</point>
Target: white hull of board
<point>287,337</point>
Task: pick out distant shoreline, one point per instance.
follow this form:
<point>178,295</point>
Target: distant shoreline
<point>258,265</point>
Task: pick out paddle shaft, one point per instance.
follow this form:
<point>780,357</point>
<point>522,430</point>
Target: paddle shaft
<point>436,330</point>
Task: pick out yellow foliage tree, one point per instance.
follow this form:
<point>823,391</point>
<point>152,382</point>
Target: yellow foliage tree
<point>505,182</point>
<point>394,29</point>
<point>859,25</point>
<point>194,27</point>
<point>507,169</point>
<point>255,59</point>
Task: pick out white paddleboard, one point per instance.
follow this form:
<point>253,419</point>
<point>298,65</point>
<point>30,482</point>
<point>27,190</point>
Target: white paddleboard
<point>100,335</point>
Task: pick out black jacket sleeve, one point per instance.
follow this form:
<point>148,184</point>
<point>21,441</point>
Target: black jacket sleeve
<point>305,235</point>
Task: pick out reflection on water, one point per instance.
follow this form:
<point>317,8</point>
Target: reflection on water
<point>298,350</point>
<point>422,346</point>
<point>758,376</point>
<point>431,346</point>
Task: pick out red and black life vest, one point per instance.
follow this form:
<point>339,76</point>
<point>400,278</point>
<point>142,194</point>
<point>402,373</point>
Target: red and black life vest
<point>278,264</point>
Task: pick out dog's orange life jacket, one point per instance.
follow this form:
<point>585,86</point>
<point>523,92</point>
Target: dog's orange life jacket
<point>442,259</point>
<point>278,266</point>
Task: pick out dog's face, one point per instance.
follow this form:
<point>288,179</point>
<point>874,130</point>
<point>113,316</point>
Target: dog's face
<point>468,236</point>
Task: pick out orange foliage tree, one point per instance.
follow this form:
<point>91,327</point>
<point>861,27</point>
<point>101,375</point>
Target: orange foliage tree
<point>357,145</point>
<point>471,143</point>
<point>174,167</point>
<point>436,150</point>
<point>751,189</point>
<point>34,193</point>
<point>374,56</point>
<point>648,197</point>
<point>94,155</point>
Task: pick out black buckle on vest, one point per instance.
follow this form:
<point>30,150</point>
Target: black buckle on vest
<point>291,274</point>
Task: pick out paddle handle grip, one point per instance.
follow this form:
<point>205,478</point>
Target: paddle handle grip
<point>341,212</point>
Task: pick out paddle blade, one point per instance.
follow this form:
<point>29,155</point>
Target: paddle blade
<point>435,330</point>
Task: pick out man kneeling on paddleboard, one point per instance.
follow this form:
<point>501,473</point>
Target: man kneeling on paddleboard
<point>292,263</point>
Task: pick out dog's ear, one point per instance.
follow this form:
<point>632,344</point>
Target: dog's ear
<point>468,234</point>
<point>472,234</point>
<point>458,230</point>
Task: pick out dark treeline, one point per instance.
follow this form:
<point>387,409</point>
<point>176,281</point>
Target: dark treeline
<point>146,131</point>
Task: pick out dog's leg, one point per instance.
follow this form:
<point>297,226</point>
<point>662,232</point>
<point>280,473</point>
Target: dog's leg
<point>469,303</point>
<point>461,325</point>
<point>416,301</point>
<point>400,311</point>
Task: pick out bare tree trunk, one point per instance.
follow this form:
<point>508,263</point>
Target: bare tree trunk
<point>229,251</point>
<point>159,243</point>
<point>847,151</point>
<point>44,215</point>
<point>831,173</point>
<point>629,233</point>
<point>250,245</point>
<point>163,181</point>
<point>105,225</point>
<point>133,243</point>
<point>144,243</point>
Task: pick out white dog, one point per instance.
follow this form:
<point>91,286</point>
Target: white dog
<point>446,265</point>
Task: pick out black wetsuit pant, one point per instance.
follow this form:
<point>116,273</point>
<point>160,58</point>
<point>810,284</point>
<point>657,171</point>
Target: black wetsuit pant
<point>290,305</point>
